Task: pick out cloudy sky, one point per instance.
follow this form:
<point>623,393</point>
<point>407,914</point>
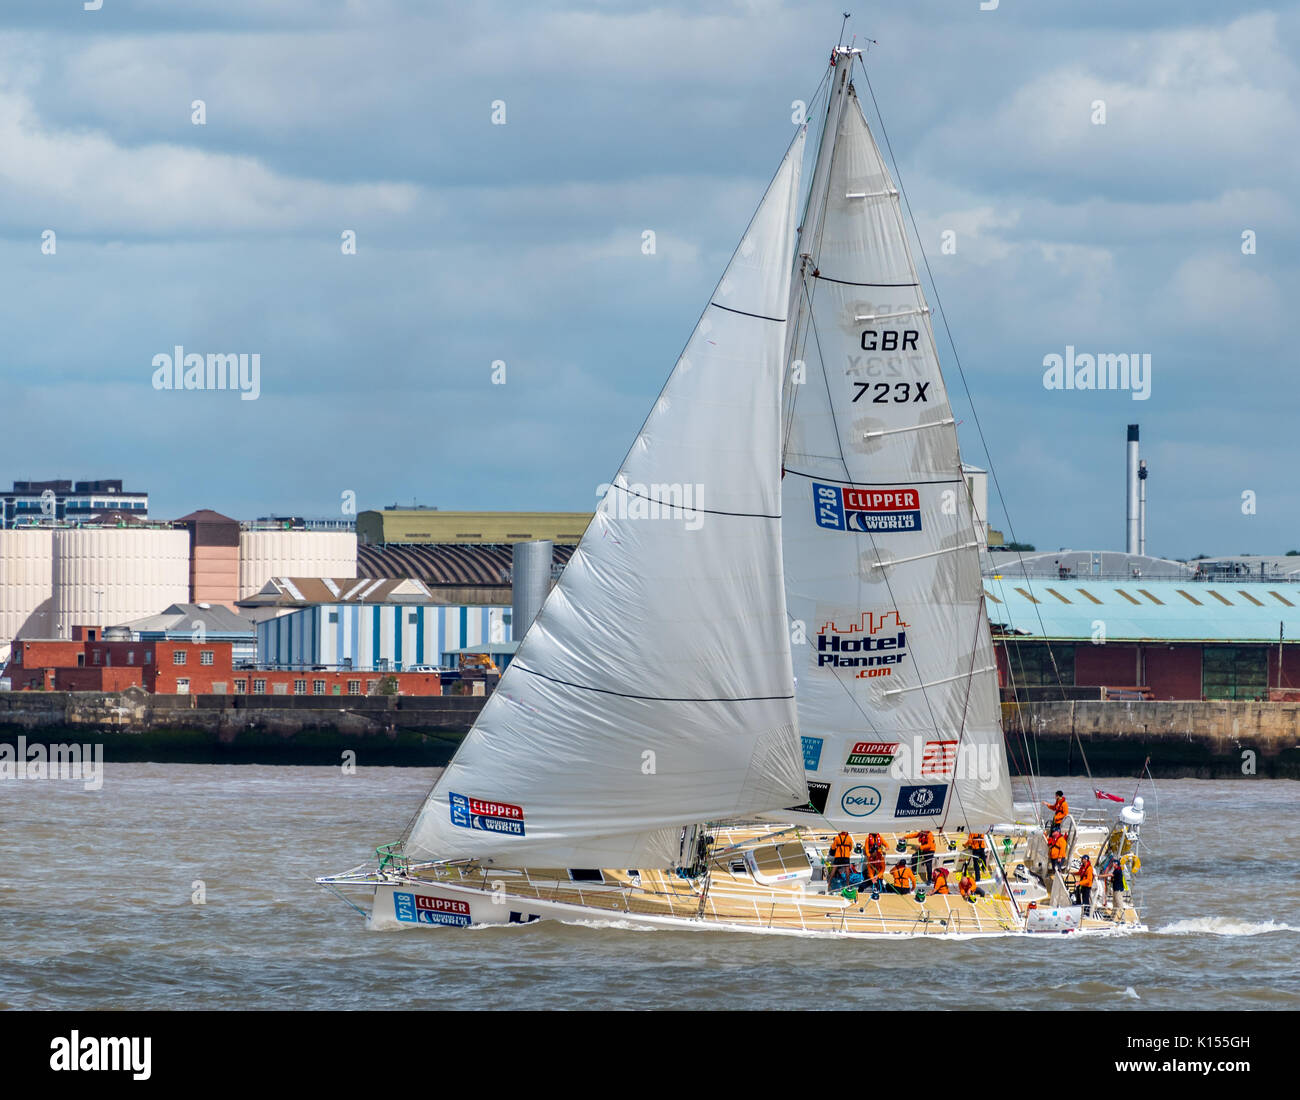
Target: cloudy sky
<point>522,243</point>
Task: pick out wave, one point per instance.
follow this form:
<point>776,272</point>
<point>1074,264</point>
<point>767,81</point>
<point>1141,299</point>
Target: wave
<point>1224,926</point>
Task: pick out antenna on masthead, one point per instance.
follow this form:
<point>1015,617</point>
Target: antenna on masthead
<point>847,15</point>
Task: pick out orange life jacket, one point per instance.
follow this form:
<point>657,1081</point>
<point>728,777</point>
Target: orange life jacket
<point>926,841</point>
<point>1058,846</point>
<point>966,886</point>
<point>941,881</point>
<point>1062,808</point>
<point>975,842</point>
<point>842,846</point>
<point>1085,873</point>
<point>903,878</point>
<point>875,843</point>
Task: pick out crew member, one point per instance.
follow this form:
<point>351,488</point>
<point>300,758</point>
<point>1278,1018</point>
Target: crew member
<point>875,857</point>
<point>1057,849</point>
<point>1060,808</point>
<point>979,856</point>
<point>904,882</point>
<point>1117,890</point>
<point>924,860</point>
<point>1083,885</point>
<point>967,888</point>
<point>939,883</point>
<point>841,851</point>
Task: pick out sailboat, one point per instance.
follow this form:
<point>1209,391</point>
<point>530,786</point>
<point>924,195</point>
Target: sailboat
<point>772,632</point>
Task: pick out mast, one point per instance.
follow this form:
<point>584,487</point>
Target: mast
<point>814,210</point>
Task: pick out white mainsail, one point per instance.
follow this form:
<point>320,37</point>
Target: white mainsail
<point>655,687</point>
<point>896,683</point>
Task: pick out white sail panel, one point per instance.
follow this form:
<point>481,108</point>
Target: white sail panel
<point>655,686</point>
<point>897,691</point>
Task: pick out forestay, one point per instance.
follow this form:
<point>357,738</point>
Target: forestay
<point>896,684</point>
<point>655,686</point>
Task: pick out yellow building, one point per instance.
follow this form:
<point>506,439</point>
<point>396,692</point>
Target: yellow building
<point>429,525</point>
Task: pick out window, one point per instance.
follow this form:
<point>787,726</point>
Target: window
<point>354,687</point>
<point>318,687</point>
<point>259,687</point>
<point>1235,672</point>
<point>300,687</point>
<point>411,617</point>
<point>178,656</point>
<point>205,657</point>
<point>241,687</point>
<point>333,617</point>
<point>130,656</point>
<point>585,874</point>
<point>182,686</point>
<point>148,656</point>
<point>1036,664</point>
<point>97,655</point>
<point>370,686</point>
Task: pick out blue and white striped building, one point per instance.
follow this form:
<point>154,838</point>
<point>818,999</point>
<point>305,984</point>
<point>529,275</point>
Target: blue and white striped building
<point>383,636</point>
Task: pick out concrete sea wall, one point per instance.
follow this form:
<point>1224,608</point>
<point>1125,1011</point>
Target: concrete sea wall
<point>262,729</point>
<point>1072,737</point>
<point>1206,740</point>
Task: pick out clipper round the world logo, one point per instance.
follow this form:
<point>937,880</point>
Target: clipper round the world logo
<point>844,508</point>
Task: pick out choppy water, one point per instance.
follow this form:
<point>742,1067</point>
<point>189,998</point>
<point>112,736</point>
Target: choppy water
<point>96,912</point>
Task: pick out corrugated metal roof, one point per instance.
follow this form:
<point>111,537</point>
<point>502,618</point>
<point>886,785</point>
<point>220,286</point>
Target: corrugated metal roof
<point>446,563</point>
<point>217,619</point>
<point>1131,610</point>
<point>306,591</point>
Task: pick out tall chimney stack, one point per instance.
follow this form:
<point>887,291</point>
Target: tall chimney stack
<point>1142,506</point>
<point>1132,541</point>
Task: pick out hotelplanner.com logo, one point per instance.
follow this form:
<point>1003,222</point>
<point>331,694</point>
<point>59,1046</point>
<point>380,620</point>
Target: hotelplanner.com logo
<point>930,760</point>
<point>633,500</point>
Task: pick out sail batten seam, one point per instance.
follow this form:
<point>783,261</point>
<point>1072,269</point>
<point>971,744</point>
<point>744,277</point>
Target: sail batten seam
<point>650,698</point>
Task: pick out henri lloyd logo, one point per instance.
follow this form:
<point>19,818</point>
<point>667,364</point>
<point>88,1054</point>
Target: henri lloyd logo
<point>859,647</point>
<point>870,757</point>
<point>843,508</point>
<point>418,909</point>
<point>920,801</point>
<point>491,817</point>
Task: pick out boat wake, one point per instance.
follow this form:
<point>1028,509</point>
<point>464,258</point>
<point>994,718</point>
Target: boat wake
<point>1224,926</point>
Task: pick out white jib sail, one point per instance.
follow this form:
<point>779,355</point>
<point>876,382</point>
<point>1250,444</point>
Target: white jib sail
<point>655,686</point>
<point>897,690</point>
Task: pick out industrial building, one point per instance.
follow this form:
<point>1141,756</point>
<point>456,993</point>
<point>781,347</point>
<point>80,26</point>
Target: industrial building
<point>91,663</point>
<point>384,624</point>
<point>1178,639</point>
<point>60,575</point>
<point>193,622</point>
<point>429,526</point>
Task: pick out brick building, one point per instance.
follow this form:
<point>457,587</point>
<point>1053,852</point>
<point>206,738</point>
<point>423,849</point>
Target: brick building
<point>88,663</point>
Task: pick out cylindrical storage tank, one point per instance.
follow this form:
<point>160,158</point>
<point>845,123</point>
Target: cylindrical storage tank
<point>529,584</point>
<point>267,554</point>
<point>26,586</point>
<point>104,576</point>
